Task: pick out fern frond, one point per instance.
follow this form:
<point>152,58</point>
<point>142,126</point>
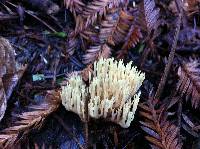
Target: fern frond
<point>91,54</point>
<point>150,20</point>
<point>122,28</point>
<point>106,31</point>
<point>117,28</point>
<point>108,26</point>
<point>75,6</point>
<point>162,134</point>
<point>189,82</point>
<point>95,52</point>
<point>72,45</point>
<point>92,11</point>
<point>131,40</point>
<point>26,121</point>
<point>91,34</point>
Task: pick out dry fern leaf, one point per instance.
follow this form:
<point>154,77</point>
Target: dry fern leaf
<point>75,6</point>
<point>113,30</point>
<point>95,52</point>
<point>161,133</point>
<point>91,34</point>
<point>72,45</point>
<point>103,32</point>
<point>131,40</point>
<point>98,7</point>
<point>117,28</point>
<point>122,28</point>
<point>189,82</point>
<point>33,119</point>
<point>108,26</point>
<point>93,10</point>
<point>150,18</point>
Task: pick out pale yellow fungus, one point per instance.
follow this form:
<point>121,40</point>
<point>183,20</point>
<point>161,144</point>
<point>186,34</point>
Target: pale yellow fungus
<point>112,85</point>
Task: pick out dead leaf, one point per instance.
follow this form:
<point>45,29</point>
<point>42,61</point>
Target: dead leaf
<point>10,73</point>
<point>30,120</point>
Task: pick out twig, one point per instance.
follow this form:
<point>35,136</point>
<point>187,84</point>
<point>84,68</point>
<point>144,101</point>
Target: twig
<point>5,17</point>
<point>86,122</point>
<point>179,117</point>
<point>7,8</point>
<point>170,60</point>
<point>17,47</point>
<point>56,21</point>
<point>67,130</point>
<point>86,135</point>
<point>36,17</point>
<point>131,140</point>
<point>144,56</point>
<point>55,70</point>
<point>147,49</point>
<point>177,2</point>
<point>151,72</point>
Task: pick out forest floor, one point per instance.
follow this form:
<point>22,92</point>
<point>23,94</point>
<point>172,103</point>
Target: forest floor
<point>51,39</point>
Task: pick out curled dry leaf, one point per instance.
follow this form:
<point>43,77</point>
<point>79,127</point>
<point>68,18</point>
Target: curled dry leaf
<point>190,7</point>
<point>7,57</point>
<point>10,73</point>
<point>189,82</point>
<point>27,121</point>
<point>3,101</point>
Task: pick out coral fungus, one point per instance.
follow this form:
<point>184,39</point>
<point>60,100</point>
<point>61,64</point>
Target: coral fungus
<point>112,85</point>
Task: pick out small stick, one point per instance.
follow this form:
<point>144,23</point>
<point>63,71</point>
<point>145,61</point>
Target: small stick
<point>86,135</point>
<point>179,114</point>
<point>170,60</point>
<point>67,130</point>
<point>36,17</point>
<point>86,122</point>
<point>55,70</point>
